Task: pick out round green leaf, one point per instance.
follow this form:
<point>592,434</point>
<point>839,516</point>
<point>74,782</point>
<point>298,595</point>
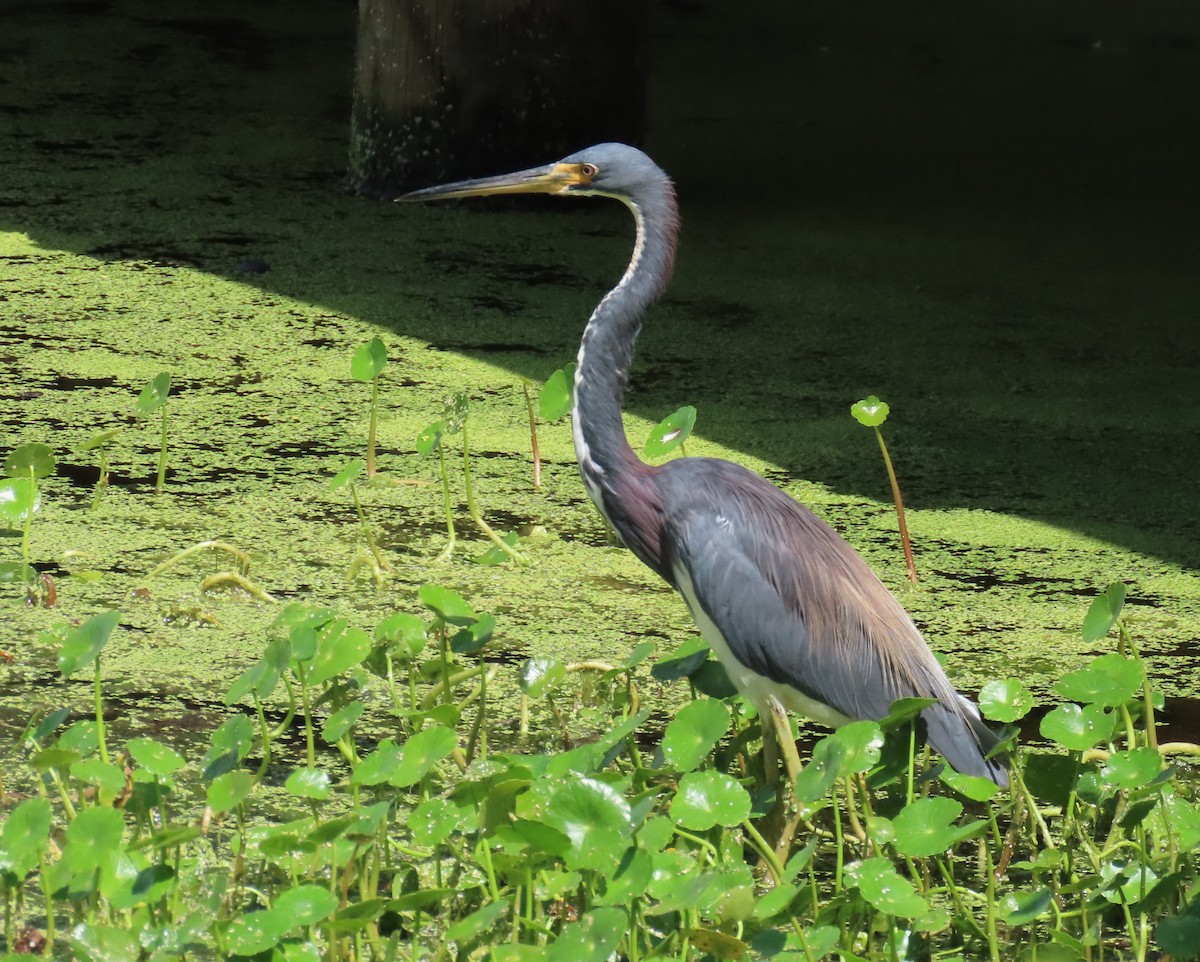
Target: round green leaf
<point>448,605</point>
<point>19,498</point>
<point>104,943</point>
<point>154,395</point>
<point>106,777</point>
<point>683,661</point>
<point>709,798</point>
<point>305,904</point>
<point>339,648</point>
<point>84,644</point>
<point>540,674</point>
<point>379,766</point>
<point>670,432</point>
<point>970,786</point>
<point>594,815</point>
<point>1021,908</point>
<point>229,790</point>
<point>98,440</point>
<point>1078,729</point>
<point>629,879</point>
<point>155,757</point>
<point>1110,680</point>
<point>420,753</point>
<point>1179,936</point>
<point>368,361</point>
<point>879,884</point>
<point>341,721</point>
<point>594,938</point>
<point>25,832</point>
<point>308,783</point>
<point>430,438</point>
<point>405,635</point>
<point>1131,769</point>
<point>557,394</point>
<point>255,932</point>
<point>93,839</point>
<point>468,640</point>
<point>693,732</point>
<point>1005,700</point>
<point>30,460</point>
<point>926,826</point>
<point>862,742</point>
<point>870,411</point>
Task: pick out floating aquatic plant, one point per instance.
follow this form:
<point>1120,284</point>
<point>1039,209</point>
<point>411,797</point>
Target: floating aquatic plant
<point>671,432</point>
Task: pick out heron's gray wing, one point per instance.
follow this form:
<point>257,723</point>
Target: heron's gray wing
<point>796,605</point>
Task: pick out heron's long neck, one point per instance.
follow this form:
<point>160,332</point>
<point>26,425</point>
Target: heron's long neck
<point>606,352</point>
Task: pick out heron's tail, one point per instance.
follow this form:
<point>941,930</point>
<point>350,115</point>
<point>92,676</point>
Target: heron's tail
<point>964,740</point>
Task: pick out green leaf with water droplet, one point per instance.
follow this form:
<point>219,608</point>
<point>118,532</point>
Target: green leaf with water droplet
<point>683,661</point>
<point>709,798</point>
<point>1078,729</point>
<point>379,766</point>
<point>594,938</point>
<point>1110,680</point>
<point>693,732</point>
<point>103,943</point>
<point>154,395</point>
<point>927,826</point>
<point>156,758</point>
<point>30,460</point>
<point>870,411</point>
<point>824,765</point>
<point>434,821</point>
<point>1005,700</point>
<point>862,742</point>
<point>1127,770</point>
<point>255,932</point>
<point>670,432</point>
<point>877,880</point>
<point>305,904</point>
<point>430,438</point>
<point>368,361</point>
<point>594,815</point>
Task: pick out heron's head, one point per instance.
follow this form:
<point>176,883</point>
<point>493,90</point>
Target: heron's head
<point>611,170</point>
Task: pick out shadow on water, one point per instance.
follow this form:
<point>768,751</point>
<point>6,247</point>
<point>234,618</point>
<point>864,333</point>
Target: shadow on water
<point>1031,313</point>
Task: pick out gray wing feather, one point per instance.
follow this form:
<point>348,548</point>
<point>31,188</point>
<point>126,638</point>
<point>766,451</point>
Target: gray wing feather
<point>797,605</point>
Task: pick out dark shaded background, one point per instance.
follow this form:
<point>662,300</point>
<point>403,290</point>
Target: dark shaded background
<point>986,214</point>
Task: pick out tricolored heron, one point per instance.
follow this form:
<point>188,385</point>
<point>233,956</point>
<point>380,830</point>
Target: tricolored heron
<point>797,618</point>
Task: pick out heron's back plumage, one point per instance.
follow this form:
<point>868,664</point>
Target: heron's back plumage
<point>797,606</point>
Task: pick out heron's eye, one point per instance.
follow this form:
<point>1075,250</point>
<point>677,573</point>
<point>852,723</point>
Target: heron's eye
<point>589,170</point>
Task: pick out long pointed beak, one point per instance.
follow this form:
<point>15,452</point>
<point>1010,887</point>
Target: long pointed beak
<point>550,179</point>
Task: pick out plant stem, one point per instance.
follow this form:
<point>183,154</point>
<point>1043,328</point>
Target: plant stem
<point>533,438</point>
<point>371,472</point>
<point>474,511</point>
<point>380,560</point>
<point>162,455</point>
<point>449,549</point>
<point>28,522</point>
<point>904,540</point>
<point>101,742</point>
